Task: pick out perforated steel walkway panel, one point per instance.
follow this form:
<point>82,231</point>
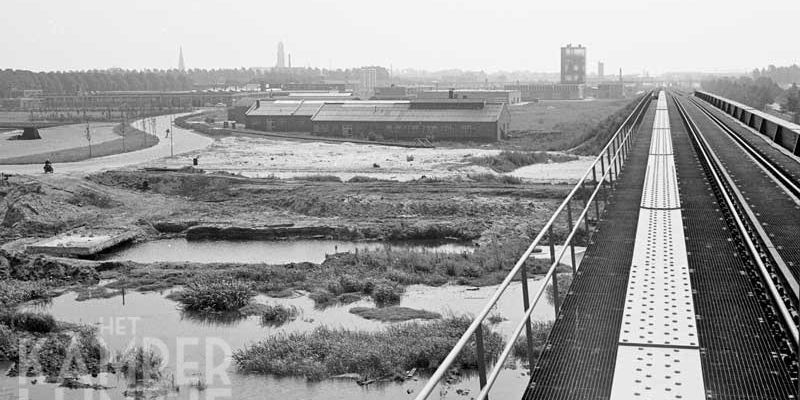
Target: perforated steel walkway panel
<point>658,307</point>
<point>662,143</point>
<point>659,355</point>
<point>660,184</point>
<point>657,373</point>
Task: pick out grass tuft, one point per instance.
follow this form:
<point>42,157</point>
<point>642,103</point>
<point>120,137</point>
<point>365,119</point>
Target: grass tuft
<point>141,363</point>
<point>393,314</point>
<point>207,295</point>
<point>318,178</point>
<point>29,321</point>
<point>278,314</point>
<point>386,294</point>
<point>325,352</point>
<point>493,178</point>
<point>508,161</point>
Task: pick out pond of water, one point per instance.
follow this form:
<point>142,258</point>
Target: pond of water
<point>270,252</point>
<point>153,318</point>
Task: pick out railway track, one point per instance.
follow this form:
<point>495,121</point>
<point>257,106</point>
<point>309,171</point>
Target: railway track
<point>783,177</point>
<point>775,286</point>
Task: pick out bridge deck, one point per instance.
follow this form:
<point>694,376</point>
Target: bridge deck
<point>589,353</point>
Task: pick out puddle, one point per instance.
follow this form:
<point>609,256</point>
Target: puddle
<point>544,254</point>
<point>270,252</point>
<point>139,317</point>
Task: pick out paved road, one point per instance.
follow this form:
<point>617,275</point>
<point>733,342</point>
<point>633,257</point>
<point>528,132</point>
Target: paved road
<point>184,141</point>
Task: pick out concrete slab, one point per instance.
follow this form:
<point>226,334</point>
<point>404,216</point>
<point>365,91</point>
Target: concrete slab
<point>81,243</point>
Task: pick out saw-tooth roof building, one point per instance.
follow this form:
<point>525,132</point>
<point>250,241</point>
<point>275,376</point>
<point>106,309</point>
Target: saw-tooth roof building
<point>443,120</point>
<point>282,115</point>
<point>435,120</point>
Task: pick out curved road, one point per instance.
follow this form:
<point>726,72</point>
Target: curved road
<point>183,141</point>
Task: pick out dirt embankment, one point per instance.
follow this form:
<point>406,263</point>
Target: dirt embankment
<point>234,207</point>
<point>24,267</point>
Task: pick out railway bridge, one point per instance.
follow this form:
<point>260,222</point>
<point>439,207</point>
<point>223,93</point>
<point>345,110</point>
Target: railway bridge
<point>688,287</point>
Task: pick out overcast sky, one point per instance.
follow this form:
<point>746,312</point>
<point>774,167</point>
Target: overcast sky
<point>491,35</point>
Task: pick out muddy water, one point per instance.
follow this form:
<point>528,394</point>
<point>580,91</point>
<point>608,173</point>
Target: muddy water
<point>270,252</point>
<point>152,317</point>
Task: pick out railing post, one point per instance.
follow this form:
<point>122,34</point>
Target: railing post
<point>610,171</point>
<point>555,270</point>
<point>602,168</point>
<point>525,304</point>
<point>481,356</point>
<point>571,242</point>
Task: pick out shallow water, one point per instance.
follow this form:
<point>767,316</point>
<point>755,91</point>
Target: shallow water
<point>270,252</point>
<point>152,318</point>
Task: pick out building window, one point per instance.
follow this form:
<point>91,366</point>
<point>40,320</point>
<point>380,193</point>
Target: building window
<point>347,130</point>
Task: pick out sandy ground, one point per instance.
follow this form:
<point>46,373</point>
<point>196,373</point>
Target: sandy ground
<point>555,172</point>
<point>183,141</point>
<point>260,157</point>
<point>56,138</point>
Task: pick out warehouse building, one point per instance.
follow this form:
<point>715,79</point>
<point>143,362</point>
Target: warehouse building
<point>391,93</point>
<point>610,90</point>
<point>492,96</point>
<point>282,115</point>
<point>549,91</point>
<point>435,120</point>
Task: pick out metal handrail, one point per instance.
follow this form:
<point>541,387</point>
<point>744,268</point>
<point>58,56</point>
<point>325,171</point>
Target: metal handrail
<point>621,146</point>
<point>507,350</point>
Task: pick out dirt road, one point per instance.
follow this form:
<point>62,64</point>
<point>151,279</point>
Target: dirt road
<point>183,141</point>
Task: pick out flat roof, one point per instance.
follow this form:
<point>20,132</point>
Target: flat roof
<point>402,112</point>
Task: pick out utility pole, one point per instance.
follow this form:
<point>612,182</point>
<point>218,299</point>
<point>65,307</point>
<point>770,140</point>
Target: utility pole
<point>124,121</point>
<point>170,133</point>
<point>89,138</point>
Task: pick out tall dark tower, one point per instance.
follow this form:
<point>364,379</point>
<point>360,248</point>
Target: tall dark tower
<point>573,64</point>
<point>280,63</point>
<point>181,64</point>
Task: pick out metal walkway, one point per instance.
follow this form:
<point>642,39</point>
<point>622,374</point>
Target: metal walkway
<point>686,287</point>
<point>694,321</point>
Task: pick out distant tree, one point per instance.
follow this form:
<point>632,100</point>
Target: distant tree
<point>755,93</point>
<point>792,103</point>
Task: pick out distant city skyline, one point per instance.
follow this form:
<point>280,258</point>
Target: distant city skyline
<point>512,36</point>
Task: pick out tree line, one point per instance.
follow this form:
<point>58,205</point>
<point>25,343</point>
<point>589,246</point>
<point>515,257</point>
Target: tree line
<point>71,82</point>
<point>781,75</point>
<point>756,93</point>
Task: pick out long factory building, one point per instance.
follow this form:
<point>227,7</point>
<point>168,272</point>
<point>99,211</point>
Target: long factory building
<point>435,120</point>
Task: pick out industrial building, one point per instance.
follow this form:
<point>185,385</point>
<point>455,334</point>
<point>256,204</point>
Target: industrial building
<point>136,100</point>
<point>492,96</point>
<point>610,90</point>
<point>369,79</point>
<point>435,120</point>
<point>327,87</point>
<point>548,91</point>
<point>452,120</point>
<point>573,64</point>
<point>282,115</point>
<point>391,93</point>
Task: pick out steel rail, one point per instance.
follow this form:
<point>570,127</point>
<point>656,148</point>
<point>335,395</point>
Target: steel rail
<point>780,263</point>
<point>714,164</point>
<point>791,187</point>
<point>627,127</point>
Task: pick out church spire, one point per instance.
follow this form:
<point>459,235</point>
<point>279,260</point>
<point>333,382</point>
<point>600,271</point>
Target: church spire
<point>181,65</point>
